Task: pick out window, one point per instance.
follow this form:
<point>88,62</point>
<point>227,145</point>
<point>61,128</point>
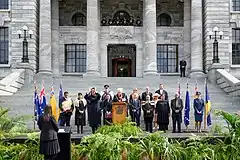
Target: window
<point>236,46</point>
<point>4,4</point>
<point>164,20</point>
<point>236,5</point>
<point>167,58</point>
<point>3,45</point>
<point>79,19</point>
<point>75,58</point>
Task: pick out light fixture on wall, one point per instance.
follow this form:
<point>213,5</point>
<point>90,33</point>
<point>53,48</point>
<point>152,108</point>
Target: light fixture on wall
<point>25,35</point>
<point>215,43</point>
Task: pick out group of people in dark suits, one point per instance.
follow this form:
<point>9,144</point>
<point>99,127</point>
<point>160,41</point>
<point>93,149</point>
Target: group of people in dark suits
<point>155,108</point>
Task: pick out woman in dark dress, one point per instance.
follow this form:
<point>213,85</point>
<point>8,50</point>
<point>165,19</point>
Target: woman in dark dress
<point>94,109</point>
<point>198,105</point>
<point>107,110</point>
<point>148,113</point>
<point>49,145</point>
<point>163,113</point>
<point>80,114</point>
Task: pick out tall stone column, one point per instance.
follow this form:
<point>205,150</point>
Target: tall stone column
<point>196,38</point>
<point>45,40</point>
<point>93,29</point>
<point>150,34</point>
<point>55,37</point>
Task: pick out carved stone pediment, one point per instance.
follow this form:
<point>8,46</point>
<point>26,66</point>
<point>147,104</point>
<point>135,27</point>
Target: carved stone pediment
<point>4,17</point>
<point>121,32</point>
<point>235,18</point>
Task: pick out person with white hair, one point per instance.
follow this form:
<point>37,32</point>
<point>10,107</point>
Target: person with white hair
<point>177,106</point>
<point>120,96</point>
<point>148,107</point>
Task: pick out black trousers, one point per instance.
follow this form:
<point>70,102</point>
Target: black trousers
<point>47,157</point>
<point>177,119</point>
<point>148,124</point>
<point>136,118</point>
<point>182,72</point>
<point>65,119</point>
<point>94,129</point>
<point>81,126</point>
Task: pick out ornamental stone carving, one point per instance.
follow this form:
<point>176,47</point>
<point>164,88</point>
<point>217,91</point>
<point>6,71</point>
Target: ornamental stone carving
<point>121,32</point>
<point>4,17</point>
<point>235,18</point>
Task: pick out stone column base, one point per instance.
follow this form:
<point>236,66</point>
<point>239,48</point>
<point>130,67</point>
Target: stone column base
<point>150,74</point>
<point>212,72</point>
<point>29,72</point>
<point>196,74</point>
<point>93,73</point>
<point>45,72</point>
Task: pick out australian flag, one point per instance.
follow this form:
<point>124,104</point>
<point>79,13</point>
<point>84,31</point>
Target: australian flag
<point>42,101</point>
<point>36,103</point>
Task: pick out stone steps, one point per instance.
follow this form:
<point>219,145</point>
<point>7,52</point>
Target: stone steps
<point>21,103</point>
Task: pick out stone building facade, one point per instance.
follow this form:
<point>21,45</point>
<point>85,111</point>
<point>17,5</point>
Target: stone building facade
<point>115,38</point>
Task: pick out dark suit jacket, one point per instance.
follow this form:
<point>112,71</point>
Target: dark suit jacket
<point>174,108</point>
<point>164,92</point>
<point>144,95</point>
<point>48,129</point>
<point>183,64</point>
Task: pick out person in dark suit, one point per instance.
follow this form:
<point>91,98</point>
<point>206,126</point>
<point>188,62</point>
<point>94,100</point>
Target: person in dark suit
<point>162,92</point>
<point>106,106</point>
<point>163,114</point>
<point>66,107</point>
<point>198,105</point>
<point>148,113</point>
<point>147,92</point>
<point>135,108</point>
<point>49,145</point>
<point>93,100</point>
<point>183,65</point>
<point>80,113</point>
<point>177,106</point>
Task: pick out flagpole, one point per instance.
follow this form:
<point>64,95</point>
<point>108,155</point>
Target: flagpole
<point>185,104</point>
<point>34,108</point>
<point>205,109</point>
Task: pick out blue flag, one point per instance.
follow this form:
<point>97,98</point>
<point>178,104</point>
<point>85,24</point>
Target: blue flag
<point>60,97</point>
<point>187,108</point>
<point>207,106</point>
<point>36,104</point>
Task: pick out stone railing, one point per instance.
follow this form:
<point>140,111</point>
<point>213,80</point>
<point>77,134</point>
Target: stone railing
<point>12,82</point>
<point>227,82</point>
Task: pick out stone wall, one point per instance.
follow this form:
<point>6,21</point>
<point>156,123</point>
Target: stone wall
<point>173,35</point>
<point>68,8</point>
<point>135,37</point>
<point>24,12</point>
<point>5,21</point>
<point>70,35</point>
<point>173,8</point>
<point>216,14</point>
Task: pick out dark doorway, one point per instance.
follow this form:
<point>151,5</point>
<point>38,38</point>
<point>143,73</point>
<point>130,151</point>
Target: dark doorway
<point>121,60</point>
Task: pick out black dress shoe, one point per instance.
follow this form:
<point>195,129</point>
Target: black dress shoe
<point>173,131</point>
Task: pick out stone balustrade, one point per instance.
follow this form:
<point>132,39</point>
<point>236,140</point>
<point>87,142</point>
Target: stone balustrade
<point>227,82</point>
<point>12,82</point>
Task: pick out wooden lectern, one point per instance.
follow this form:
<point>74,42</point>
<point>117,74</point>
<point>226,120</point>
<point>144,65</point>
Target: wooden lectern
<point>119,112</point>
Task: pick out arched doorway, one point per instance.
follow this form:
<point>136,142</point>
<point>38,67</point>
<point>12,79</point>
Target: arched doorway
<point>121,60</point>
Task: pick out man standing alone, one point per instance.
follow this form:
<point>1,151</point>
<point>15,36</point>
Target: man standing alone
<point>183,65</point>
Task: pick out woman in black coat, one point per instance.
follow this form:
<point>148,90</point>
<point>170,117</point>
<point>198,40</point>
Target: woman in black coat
<point>80,113</point>
<point>107,110</point>
<point>163,113</point>
<point>148,110</point>
<point>49,145</point>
